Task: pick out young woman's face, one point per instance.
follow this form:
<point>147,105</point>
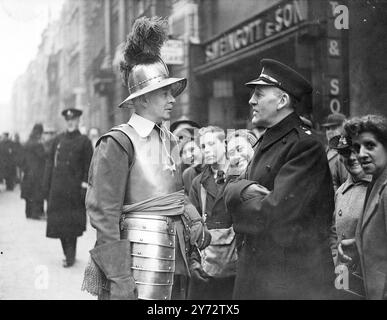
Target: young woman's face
<point>239,152</point>
<point>213,148</point>
<point>191,153</point>
<point>352,164</point>
<point>371,153</point>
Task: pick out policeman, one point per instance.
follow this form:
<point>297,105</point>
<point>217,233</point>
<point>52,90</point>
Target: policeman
<point>284,205</point>
<point>66,182</point>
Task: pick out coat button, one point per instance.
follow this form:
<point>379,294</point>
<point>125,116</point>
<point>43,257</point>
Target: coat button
<point>340,213</point>
<point>284,140</point>
<point>268,167</point>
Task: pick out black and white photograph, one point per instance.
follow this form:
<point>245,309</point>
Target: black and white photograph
<point>210,151</point>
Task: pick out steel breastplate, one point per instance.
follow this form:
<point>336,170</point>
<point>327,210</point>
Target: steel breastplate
<point>152,173</point>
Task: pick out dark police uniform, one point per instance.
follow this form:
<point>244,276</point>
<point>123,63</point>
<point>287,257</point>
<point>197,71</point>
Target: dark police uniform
<point>67,167</point>
<point>285,252</point>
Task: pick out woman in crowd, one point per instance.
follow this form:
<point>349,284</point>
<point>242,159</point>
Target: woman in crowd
<point>33,164</point>
<point>349,202</point>
<point>191,156</point>
<point>239,150</point>
<point>369,142</point>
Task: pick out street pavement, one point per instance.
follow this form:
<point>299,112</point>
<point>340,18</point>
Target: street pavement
<point>30,263</point>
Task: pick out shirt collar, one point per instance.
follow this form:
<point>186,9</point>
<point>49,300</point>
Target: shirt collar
<point>350,183</point>
<point>142,126</point>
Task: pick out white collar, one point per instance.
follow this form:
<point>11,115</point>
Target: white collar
<point>142,126</point>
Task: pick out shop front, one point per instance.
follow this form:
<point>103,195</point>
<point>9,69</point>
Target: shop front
<point>293,32</point>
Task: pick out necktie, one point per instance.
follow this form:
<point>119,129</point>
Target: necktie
<point>220,177</point>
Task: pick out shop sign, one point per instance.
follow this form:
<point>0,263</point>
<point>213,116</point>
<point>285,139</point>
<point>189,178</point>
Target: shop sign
<point>335,86</point>
<point>172,52</point>
<point>263,26</point>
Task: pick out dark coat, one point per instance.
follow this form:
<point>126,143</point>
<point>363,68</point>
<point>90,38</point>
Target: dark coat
<point>67,167</point>
<point>33,164</point>
<point>285,253</point>
<point>217,217</point>
<point>371,240</point>
<point>338,170</point>
<point>7,159</point>
<point>220,288</point>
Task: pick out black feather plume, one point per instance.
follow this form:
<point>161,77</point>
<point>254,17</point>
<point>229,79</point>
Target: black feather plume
<point>144,43</point>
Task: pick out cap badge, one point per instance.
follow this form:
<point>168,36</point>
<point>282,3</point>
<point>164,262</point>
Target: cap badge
<point>267,77</point>
<point>343,141</point>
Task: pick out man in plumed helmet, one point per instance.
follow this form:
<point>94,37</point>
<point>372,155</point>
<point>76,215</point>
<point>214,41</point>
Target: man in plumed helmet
<point>283,206</point>
<point>135,198</point>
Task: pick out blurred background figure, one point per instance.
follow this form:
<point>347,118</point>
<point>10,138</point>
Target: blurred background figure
<point>2,154</point>
<point>94,135</point>
<point>333,126</point>
<point>18,150</point>
<point>184,128</point>
<point>8,161</point>
<point>66,176</point>
<point>48,138</point>
<point>369,142</point>
<point>83,130</point>
<point>192,158</point>
<point>32,167</point>
<point>349,203</point>
<point>186,132</point>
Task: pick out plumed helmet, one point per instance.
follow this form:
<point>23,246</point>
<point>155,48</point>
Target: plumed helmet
<point>142,67</point>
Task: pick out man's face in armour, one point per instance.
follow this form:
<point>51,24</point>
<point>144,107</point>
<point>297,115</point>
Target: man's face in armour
<point>159,104</point>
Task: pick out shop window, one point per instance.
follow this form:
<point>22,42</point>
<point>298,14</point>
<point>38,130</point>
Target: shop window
<point>223,88</point>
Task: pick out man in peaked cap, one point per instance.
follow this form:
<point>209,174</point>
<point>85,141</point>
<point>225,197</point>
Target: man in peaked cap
<point>65,181</point>
<point>283,205</point>
<point>71,113</point>
<point>135,197</point>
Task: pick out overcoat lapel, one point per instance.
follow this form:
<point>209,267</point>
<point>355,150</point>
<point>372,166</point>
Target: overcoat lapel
<point>373,199</point>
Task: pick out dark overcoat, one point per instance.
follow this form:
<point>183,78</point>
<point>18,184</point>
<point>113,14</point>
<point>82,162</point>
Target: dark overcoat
<point>7,159</point>
<point>67,167</point>
<point>371,240</point>
<point>33,164</point>
<point>285,252</point>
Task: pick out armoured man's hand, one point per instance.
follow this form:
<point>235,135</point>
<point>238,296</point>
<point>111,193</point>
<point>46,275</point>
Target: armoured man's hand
<point>197,271</point>
<point>114,260</point>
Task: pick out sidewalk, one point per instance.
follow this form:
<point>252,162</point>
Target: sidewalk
<point>31,264</point>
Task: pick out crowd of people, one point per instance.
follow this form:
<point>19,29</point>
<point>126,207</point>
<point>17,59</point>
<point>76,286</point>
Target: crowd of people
<point>50,168</point>
<point>191,212</point>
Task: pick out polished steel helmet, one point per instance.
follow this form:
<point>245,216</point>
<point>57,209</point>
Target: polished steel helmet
<point>144,78</point>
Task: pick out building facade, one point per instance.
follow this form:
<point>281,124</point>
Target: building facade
<point>217,45</point>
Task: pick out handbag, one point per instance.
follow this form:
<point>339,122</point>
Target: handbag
<point>220,257</point>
